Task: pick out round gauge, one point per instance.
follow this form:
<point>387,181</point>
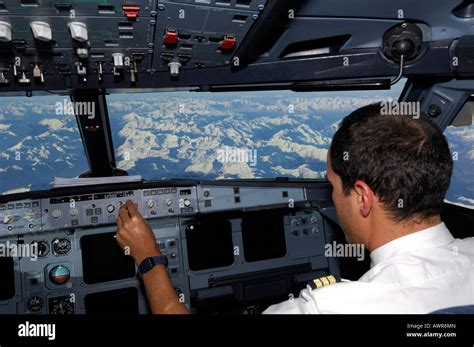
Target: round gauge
<point>61,246</point>
<point>59,274</point>
<point>61,305</point>
<point>35,304</point>
<point>43,248</point>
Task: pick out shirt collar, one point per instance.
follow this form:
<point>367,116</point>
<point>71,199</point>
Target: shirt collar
<point>431,237</point>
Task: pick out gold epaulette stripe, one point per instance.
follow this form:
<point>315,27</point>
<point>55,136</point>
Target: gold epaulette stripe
<point>324,281</point>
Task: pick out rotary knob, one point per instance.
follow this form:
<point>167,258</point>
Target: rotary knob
<point>9,219</point>
<point>187,202</point>
<point>110,208</point>
<point>56,214</point>
<point>169,202</point>
<point>72,212</point>
<point>151,203</point>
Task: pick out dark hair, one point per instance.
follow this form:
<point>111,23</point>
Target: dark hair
<point>398,157</point>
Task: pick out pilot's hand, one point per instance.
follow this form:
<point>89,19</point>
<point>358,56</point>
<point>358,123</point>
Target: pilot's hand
<point>134,234</point>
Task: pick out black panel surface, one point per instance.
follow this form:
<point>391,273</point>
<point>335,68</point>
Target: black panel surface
<point>103,260</point>
<point>209,245</point>
<point>7,278</point>
<point>263,237</point>
<point>123,300</point>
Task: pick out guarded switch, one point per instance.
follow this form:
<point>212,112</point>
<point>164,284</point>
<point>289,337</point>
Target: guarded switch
<point>78,31</point>
<point>41,31</point>
<point>5,32</point>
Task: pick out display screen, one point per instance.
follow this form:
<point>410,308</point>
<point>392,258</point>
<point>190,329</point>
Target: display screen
<point>103,260</point>
<point>7,278</point>
<point>123,300</point>
<point>263,236</point>
<point>209,245</point>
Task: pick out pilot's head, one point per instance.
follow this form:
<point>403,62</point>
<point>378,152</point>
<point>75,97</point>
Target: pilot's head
<point>386,172</point>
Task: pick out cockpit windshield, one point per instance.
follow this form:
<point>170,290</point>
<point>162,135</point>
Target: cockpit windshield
<point>241,135</point>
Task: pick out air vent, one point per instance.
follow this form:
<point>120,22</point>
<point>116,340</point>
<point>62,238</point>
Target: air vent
<point>315,47</point>
<point>464,10</point>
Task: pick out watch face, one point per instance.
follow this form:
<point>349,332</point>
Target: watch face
<point>146,265</point>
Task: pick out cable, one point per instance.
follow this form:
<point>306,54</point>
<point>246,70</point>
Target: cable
<point>400,71</point>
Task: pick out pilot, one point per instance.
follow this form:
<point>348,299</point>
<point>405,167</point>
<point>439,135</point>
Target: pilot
<point>389,176</point>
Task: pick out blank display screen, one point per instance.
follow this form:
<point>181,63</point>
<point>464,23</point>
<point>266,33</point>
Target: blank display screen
<point>209,245</point>
<point>103,260</point>
<point>7,278</point>
<point>123,300</point>
<point>263,236</point>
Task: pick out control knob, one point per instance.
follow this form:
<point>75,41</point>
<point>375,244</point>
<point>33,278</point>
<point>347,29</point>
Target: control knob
<point>56,214</point>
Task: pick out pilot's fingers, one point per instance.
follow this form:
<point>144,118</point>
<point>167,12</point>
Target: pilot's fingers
<point>132,208</point>
<point>123,214</point>
<point>119,223</point>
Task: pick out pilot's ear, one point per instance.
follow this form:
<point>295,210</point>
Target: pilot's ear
<point>365,197</point>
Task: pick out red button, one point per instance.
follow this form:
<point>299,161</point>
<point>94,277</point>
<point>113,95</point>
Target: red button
<point>171,38</point>
<point>228,43</point>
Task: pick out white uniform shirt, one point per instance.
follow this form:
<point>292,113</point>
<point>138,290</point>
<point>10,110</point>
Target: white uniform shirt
<point>418,273</point>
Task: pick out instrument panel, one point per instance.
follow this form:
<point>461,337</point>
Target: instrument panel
<point>89,210</point>
<point>223,242</point>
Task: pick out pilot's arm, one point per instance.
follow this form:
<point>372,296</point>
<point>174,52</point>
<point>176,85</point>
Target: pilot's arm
<point>135,233</point>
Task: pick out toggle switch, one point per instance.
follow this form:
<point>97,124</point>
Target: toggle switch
<point>38,74</point>
<point>41,31</point>
<point>5,32</point>
<point>24,79</point>
<point>100,71</point>
<point>78,31</point>
<point>3,80</point>
<point>133,72</point>
<point>81,70</point>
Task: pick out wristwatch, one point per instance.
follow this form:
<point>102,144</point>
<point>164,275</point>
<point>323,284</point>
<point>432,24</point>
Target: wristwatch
<point>148,264</point>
